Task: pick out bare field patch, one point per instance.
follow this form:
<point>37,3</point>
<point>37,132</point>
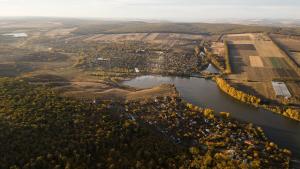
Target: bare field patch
<point>60,32</point>
<point>267,62</point>
<point>120,94</point>
<point>289,43</point>
<point>285,73</point>
<point>294,88</point>
<point>259,74</point>
<point>162,90</point>
<point>256,61</point>
<point>242,47</point>
<point>116,37</point>
<point>143,37</point>
<point>239,37</point>
<point>170,39</point>
<point>186,36</point>
<point>267,49</point>
<point>152,36</point>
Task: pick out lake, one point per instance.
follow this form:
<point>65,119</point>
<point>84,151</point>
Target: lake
<point>16,35</point>
<point>205,93</point>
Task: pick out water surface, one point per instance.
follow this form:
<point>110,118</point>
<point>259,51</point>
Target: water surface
<point>212,69</point>
<point>16,35</point>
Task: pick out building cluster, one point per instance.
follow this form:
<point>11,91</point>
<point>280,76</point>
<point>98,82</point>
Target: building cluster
<point>189,125</point>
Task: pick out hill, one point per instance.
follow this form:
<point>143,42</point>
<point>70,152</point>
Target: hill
<point>168,27</point>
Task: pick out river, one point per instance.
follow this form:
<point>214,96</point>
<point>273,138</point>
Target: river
<point>205,93</point>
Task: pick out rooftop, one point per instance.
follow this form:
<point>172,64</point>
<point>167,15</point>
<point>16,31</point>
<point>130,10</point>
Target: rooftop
<point>281,89</point>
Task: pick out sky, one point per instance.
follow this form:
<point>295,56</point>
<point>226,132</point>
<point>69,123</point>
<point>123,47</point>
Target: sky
<point>173,10</point>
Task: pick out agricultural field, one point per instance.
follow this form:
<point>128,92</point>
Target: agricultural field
<point>290,44</point>
<point>256,61</point>
<point>167,39</point>
<point>76,52</point>
<point>296,56</point>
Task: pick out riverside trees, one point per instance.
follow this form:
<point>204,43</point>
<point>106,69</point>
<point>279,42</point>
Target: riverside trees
<point>227,58</point>
<point>250,99</point>
<point>244,97</point>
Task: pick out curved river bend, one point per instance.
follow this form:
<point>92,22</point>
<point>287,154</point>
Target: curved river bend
<point>205,93</point>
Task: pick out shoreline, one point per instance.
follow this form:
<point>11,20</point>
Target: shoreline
<point>273,108</point>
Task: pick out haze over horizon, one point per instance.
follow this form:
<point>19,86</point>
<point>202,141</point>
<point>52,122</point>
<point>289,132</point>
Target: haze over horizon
<point>173,10</point>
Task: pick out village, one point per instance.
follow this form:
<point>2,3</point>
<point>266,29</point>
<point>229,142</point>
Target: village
<point>192,126</point>
<point>141,57</point>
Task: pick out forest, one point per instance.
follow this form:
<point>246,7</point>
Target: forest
<point>42,130</point>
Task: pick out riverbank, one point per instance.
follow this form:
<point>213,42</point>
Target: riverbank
<point>255,101</point>
<point>242,96</point>
<point>221,139</point>
<point>205,93</point>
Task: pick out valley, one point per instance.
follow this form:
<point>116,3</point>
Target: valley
<point>153,80</point>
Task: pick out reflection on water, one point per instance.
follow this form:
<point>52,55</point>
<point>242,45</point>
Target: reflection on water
<point>212,69</point>
<point>16,35</point>
<point>205,93</point>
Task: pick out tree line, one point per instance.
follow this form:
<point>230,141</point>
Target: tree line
<point>227,58</point>
<point>239,95</point>
<point>253,100</point>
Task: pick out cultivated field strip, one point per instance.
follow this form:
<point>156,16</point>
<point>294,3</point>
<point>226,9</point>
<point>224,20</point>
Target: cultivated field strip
<point>257,62</point>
